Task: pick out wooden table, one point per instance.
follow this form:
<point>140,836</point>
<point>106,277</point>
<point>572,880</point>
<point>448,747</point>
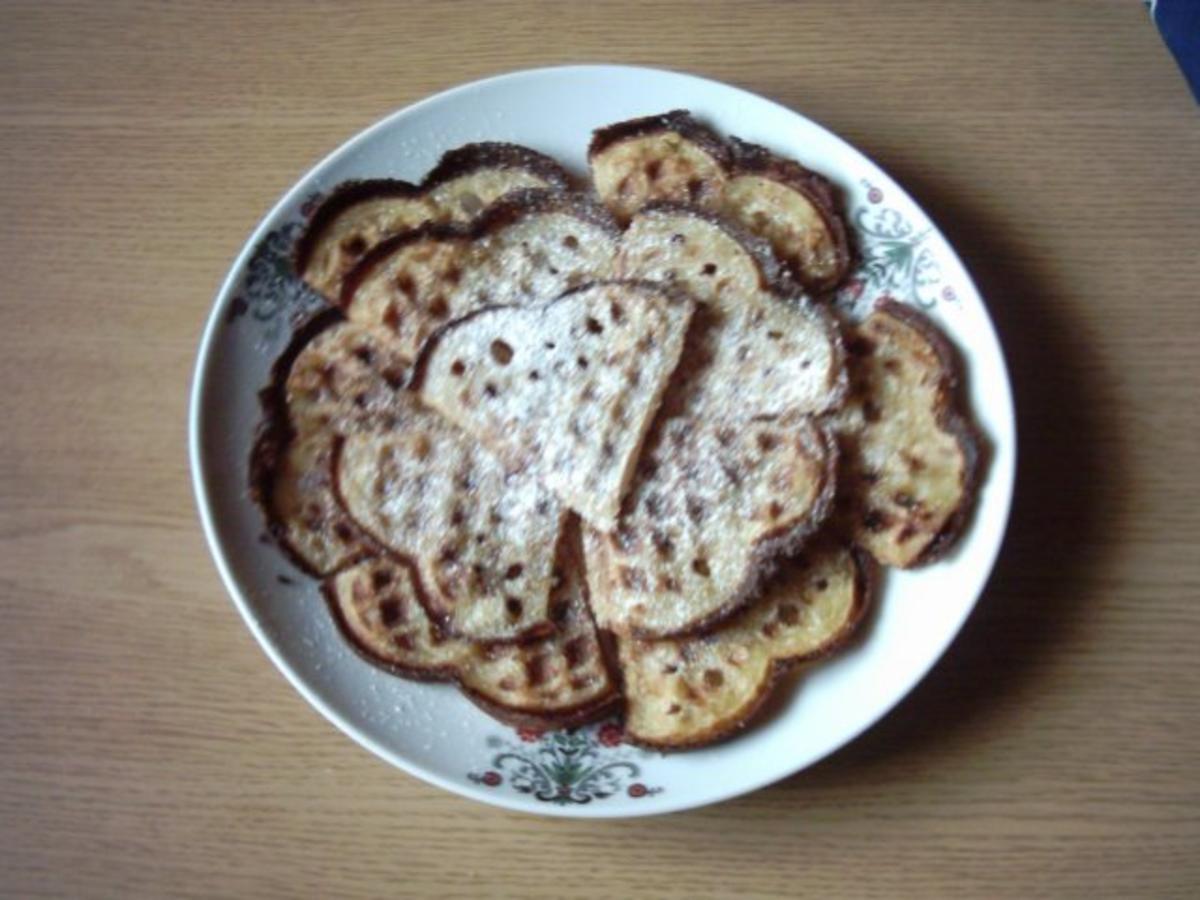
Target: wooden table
<point>147,747</point>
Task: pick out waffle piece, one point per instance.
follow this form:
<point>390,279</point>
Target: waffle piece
<point>910,457</point>
<point>482,540</point>
<point>360,214</point>
<point>735,471</point>
<point>688,692</point>
<point>677,158</point>
<point>566,390</point>
<point>527,248</point>
<point>558,681</point>
<point>350,461</point>
<point>333,379</point>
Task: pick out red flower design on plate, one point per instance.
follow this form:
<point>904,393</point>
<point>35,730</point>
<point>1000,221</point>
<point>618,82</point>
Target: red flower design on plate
<point>875,195</point>
<point>637,789</point>
<point>491,779</point>
<point>611,735</point>
<point>529,735</point>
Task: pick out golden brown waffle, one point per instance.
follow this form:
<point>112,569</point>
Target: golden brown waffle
<point>910,457</point>
<point>360,214</point>
<point>676,157</point>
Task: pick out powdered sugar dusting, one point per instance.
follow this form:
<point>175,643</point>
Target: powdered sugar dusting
<point>735,466</point>
<point>483,539</point>
<point>566,390</point>
<point>430,282</point>
<point>379,600</point>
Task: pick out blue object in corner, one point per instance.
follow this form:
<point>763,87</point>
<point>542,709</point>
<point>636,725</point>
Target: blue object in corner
<point>1179,23</point>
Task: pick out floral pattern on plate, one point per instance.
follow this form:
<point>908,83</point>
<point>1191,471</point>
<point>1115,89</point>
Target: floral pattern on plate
<point>272,295</point>
<point>897,259</point>
<point>567,767</point>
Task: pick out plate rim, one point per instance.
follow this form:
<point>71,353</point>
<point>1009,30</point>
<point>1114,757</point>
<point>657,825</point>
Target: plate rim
<point>200,475</point>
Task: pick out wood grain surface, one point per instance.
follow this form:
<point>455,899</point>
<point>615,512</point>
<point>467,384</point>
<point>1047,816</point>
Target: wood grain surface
<point>147,746</point>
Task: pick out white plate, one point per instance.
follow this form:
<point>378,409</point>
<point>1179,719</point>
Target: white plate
<point>430,730</point>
